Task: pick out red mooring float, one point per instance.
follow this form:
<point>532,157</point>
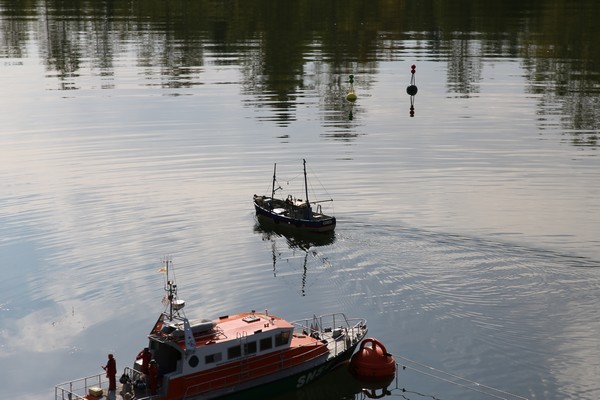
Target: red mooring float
<point>373,362</point>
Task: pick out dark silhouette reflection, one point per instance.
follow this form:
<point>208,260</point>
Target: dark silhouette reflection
<point>290,51</point>
<point>295,241</point>
<point>341,384</point>
<point>338,384</point>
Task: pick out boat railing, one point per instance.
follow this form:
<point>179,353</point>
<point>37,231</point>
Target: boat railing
<point>353,327</point>
<point>78,389</point>
<point>133,374</point>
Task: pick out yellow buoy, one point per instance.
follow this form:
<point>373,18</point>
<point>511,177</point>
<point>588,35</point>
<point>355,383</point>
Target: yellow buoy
<point>351,96</point>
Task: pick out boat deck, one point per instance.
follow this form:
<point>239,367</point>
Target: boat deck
<point>85,388</point>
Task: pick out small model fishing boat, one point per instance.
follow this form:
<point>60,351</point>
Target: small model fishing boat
<point>206,359</point>
<point>292,212</point>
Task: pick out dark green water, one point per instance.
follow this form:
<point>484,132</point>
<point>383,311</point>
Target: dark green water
<point>467,233</point>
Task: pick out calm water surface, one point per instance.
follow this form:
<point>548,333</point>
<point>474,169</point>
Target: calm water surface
<point>467,234</point>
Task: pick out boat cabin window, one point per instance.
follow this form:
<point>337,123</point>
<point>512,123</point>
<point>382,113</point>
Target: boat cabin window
<point>282,338</point>
<point>212,358</point>
<point>250,348</point>
<point>266,343</point>
<point>234,352</point>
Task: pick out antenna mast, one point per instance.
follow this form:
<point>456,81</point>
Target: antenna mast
<point>305,182</point>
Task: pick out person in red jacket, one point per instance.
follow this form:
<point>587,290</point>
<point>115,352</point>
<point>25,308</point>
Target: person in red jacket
<point>153,375</point>
<point>145,355</point>
<point>111,372</point>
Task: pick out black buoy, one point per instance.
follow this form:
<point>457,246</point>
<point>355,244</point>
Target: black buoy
<point>412,90</point>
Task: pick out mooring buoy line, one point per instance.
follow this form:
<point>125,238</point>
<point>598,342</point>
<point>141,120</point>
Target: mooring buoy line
<point>465,383</point>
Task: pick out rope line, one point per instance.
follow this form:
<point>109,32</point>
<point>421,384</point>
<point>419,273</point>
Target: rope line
<point>468,385</point>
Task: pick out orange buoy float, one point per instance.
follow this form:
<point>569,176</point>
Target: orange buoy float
<point>373,362</point>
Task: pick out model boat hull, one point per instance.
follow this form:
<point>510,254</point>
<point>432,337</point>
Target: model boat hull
<point>286,381</point>
<point>281,214</point>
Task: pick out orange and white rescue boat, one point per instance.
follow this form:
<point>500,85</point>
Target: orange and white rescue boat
<point>206,359</point>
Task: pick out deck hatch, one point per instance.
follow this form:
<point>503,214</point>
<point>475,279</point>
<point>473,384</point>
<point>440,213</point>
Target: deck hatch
<point>251,318</point>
